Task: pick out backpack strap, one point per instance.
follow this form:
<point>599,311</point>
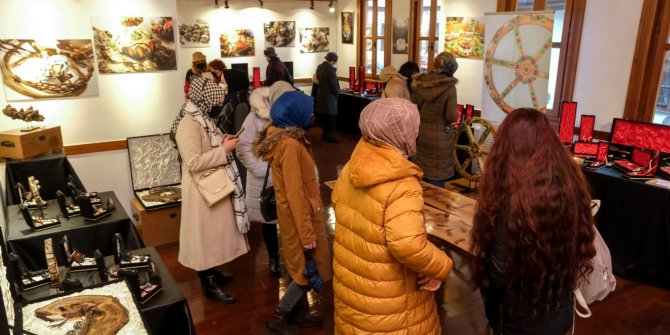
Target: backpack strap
<point>579,300</point>
<point>267,172</point>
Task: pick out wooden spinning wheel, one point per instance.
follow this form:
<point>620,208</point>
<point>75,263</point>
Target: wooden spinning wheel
<point>526,67</point>
<point>475,150</point>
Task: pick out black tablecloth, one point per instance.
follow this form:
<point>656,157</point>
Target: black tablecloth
<point>86,236</point>
<point>165,313</point>
<point>634,220</point>
<point>349,107</point>
<point>50,169</point>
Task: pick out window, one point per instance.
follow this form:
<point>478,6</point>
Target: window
<point>428,28</point>
<point>648,97</point>
<point>374,19</point>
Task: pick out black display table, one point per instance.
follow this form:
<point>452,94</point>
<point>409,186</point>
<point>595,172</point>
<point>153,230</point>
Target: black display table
<point>51,170</point>
<point>165,313</point>
<point>86,236</point>
<point>349,107</point>
<point>634,220</point>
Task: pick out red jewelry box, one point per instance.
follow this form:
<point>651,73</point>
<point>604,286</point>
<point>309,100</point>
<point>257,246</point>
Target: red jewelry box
<point>586,127</point>
<point>566,129</point>
<point>585,149</point>
<point>645,135</point>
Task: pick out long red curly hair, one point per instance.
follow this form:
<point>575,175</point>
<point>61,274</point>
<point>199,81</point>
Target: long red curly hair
<point>532,186</point>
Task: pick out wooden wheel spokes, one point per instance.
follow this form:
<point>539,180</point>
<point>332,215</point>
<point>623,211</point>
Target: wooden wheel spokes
<point>475,150</point>
<point>527,65</point>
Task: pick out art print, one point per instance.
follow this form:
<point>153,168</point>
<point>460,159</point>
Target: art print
<point>400,36</point>
<point>279,34</point>
<point>314,39</point>
<point>347,27</point>
<point>134,44</point>
<point>194,33</point>
<point>40,69</point>
<point>464,37</point>
<point>237,43</point>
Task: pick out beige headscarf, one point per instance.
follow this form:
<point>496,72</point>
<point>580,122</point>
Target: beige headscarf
<point>394,121</point>
<point>277,89</point>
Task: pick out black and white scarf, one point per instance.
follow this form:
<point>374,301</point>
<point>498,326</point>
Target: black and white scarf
<point>196,108</point>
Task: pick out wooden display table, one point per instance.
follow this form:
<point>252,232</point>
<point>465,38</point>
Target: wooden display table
<point>158,226</point>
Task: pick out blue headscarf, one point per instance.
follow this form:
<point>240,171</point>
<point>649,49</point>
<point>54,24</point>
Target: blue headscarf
<point>293,108</point>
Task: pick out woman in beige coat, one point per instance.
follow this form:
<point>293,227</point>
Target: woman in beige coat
<point>209,235</point>
<point>396,84</point>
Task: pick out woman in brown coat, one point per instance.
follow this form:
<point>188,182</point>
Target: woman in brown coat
<point>435,95</point>
<point>396,84</point>
<point>298,200</point>
<point>385,268</point>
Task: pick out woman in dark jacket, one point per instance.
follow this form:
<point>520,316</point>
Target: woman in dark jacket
<point>435,95</point>
<point>533,231</point>
<point>326,96</point>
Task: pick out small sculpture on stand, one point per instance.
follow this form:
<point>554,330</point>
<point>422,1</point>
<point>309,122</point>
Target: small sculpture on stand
<point>125,259</point>
<point>75,192</point>
<point>67,207</point>
<point>27,198</point>
<point>64,283</point>
<point>90,211</point>
<point>27,279</point>
<point>29,116</point>
<point>36,222</point>
<point>76,260</point>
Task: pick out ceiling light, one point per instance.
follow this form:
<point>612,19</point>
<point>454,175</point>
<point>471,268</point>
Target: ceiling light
<point>226,4</point>
<point>311,4</point>
<point>331,8</point>
<point>261,2</point>
<point>216,3</point>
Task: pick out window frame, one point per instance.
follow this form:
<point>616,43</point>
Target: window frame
<point>362,37</point>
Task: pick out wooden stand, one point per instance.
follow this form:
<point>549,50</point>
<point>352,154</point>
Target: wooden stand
<point>158,226</point>
<point>21,145</point>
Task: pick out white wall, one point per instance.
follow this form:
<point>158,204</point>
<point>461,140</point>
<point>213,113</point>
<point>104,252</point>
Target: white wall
<point>605,59</point>
<point>346,52</point>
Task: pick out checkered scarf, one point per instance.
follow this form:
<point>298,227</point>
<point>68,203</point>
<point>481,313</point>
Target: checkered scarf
<point>200,103</point>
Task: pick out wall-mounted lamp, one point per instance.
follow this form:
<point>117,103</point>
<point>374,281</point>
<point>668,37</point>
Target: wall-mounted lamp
<point>311,4</point>
<point>216,3</point>
<point>261,3</point>
<point>225,4</point>
<point>330,7</point>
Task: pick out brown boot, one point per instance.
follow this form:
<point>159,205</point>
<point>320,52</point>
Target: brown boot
<point>278,323</point>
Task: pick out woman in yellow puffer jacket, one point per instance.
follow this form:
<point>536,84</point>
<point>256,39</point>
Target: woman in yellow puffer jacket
<point>385,269</point>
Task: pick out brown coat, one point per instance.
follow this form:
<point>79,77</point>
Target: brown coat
<point>396,84</point>
<point>208,236</point>
<point>381,246</point>
<point>435,95</point>
<point>298,199</point>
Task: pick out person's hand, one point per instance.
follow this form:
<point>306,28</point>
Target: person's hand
<point>428,284</point>
<point>310,246</point>
<point>230,142</point>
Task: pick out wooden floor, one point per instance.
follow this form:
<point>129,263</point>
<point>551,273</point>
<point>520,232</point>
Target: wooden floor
<point>632,309</point>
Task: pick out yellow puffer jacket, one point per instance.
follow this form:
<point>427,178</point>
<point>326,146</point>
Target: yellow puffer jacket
<point>381,246</point>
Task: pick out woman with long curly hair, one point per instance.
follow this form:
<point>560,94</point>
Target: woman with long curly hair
<point>533,230</point>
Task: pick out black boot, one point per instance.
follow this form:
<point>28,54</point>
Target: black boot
<point>278,323</point>
<point>301,316</point>
<point>222,278</point>
<point>275,268</point>
<point>214,292</point>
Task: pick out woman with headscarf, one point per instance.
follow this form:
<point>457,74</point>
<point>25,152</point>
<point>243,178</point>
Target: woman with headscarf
<point>209,236</point>
<point>385,269</point>
<point>296,184</point>
<point>261,99</point>
<point>395,84</point>
<point>435,95</point>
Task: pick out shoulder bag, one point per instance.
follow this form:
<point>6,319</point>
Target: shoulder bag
<point>267,200</point>
<point>213,184</point>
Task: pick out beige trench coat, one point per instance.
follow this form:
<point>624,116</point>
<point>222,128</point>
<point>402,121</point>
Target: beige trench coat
<point>208,236</point>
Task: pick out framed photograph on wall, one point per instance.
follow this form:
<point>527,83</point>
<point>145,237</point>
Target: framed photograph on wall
<point>194,33</point>
<point>314,39</point>
<point>237,43</point>
<point>400,36</point>
<point>348,27</point>
<point>134,44</point>
<point>279,34</point>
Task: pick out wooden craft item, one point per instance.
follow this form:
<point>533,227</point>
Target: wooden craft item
<point>103,315</point>
<point>52,264</point>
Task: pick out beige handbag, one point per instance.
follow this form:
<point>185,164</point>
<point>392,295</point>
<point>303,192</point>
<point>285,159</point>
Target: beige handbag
<point>213,184</point>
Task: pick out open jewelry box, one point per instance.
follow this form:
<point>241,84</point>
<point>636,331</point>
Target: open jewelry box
<point>155,170</point>
<point>109,306</point>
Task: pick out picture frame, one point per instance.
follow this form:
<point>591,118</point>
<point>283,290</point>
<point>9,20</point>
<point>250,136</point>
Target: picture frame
<point>347,19</point>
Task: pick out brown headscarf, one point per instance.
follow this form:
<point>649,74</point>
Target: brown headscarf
<point>394,121</point>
